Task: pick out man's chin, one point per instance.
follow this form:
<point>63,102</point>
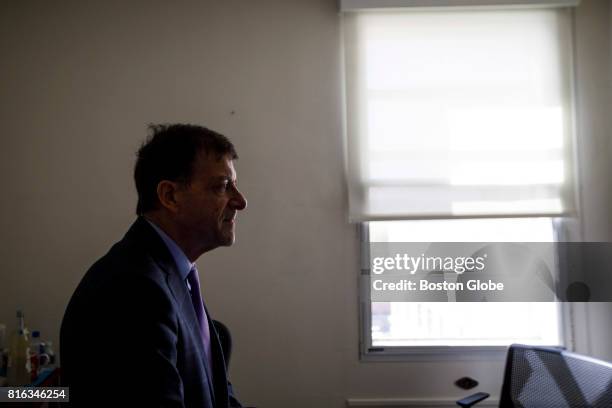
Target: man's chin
<point>228,240</point>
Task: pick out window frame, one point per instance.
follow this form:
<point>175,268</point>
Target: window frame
<point>572,316</point>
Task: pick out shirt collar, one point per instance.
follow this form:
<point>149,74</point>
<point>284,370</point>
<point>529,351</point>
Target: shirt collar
<point>180,259</point>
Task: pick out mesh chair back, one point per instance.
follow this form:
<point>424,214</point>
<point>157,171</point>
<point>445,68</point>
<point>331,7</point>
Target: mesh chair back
<point>551,378</point>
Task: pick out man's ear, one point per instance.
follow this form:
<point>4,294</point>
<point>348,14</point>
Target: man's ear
<point>167,194</point>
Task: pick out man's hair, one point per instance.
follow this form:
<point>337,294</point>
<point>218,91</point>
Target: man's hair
<point>169,153</point>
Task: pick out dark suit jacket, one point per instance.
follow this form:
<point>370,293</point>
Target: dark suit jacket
<point>130,333</point>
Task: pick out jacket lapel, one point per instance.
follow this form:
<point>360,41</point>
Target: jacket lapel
<point>183,300</point>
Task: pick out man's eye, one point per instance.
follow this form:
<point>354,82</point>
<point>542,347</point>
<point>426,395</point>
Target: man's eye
<point>224,186</point>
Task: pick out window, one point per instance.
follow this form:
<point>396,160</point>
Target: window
<point>459,129</point>
<point>416,324</point>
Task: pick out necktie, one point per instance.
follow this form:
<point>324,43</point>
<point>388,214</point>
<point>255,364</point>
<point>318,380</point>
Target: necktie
<point>198,305</point>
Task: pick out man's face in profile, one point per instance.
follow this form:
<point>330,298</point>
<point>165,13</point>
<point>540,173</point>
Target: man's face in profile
<point>210,202</point>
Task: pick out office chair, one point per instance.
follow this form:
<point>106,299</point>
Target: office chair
<point>545,377</point>
<point>225,338</point>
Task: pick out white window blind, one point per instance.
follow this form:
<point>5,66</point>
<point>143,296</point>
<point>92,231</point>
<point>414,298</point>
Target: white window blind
<point>458,113</point>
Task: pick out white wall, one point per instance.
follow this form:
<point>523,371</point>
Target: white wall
<point>593,40</point>
<point>80,80</point>
<point>593,97</point>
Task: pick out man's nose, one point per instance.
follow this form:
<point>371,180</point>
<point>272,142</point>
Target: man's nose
<point>239,201</point>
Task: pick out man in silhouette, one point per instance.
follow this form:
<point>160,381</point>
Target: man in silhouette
<point>136,329</point>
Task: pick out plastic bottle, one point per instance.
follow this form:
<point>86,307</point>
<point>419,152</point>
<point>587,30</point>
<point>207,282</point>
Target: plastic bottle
<point>18,364</point>
<point>37,355</point>
<point>50,352</point>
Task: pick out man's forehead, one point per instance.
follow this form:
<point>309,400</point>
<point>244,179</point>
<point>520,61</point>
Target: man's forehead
<point>216,166</point>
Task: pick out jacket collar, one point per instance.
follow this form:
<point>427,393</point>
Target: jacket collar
<point>183,265</point>
<point>144,237</point>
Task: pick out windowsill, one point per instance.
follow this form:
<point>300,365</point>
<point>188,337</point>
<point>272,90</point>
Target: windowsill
<point>434,353</point>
